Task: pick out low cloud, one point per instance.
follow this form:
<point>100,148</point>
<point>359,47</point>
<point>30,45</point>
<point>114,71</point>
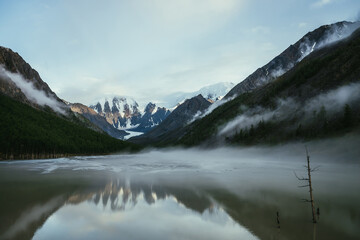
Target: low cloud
<point>211,108</point>
<point>34,95</point>
<point>332,102</point>
<point>334,34</point>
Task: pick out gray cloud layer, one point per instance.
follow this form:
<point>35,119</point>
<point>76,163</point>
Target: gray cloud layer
<point>34,95</point>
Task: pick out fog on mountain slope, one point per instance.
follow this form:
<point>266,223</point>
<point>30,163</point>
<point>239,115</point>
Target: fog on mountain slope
<point>212,107</point>
<point>333,34</point>
<point>37,96</point>
<point>315,40</point>
<point>287,107</point>
<point>325,35</point>
<point>317,98</point>
<point>331,103</point>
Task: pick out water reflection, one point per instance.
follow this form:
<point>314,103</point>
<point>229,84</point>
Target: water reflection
<point>124,209</point>
<point>166,195</point>
<point>139,212</point>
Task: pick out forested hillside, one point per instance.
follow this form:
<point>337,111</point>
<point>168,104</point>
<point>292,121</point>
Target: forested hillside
<point>319,97</point>
<point>27,133</point>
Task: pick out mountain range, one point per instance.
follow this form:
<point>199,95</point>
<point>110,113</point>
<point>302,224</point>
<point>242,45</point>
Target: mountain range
<point>172,126</point>
<point>124,114</point>
<point>286,98</point>
<point>316,98</point>
<point>308,91</point>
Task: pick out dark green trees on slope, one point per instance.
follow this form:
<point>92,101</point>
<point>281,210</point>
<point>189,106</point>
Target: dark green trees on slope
<point>26,132</point>
<point>321,72</point>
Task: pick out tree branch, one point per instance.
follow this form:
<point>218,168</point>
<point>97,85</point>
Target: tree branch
<point>315,169</point>
<point>300,178</point>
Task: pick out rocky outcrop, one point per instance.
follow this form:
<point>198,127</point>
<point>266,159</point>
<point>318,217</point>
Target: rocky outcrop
<point>172,127</point>
<point>14,63</point>
<point>98,120</point>
<point>312,41</point>
<point>124,113</point>
<point>151,117</point>
<point>120,112</point>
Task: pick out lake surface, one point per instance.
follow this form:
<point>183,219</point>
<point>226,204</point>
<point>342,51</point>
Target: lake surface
<point>184,194</point>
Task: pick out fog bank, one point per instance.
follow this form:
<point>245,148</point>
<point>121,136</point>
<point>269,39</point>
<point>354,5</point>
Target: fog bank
<point>331,103</point>
<point>34,95</point>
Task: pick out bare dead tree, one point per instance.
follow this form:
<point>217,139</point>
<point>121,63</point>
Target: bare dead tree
<point>308,184</point>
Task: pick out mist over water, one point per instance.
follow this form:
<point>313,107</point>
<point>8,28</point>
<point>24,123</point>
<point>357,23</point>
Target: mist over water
<point>225,193</point>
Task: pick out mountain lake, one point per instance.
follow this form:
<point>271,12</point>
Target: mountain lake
<point>225,193</point>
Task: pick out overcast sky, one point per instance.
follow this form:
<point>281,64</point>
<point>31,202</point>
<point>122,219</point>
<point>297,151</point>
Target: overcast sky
<point>87,49</point>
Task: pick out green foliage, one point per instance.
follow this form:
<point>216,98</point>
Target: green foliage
<point>26,132</point>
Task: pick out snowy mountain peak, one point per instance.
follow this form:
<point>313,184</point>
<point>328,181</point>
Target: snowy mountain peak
<point>121,105</point>
<point>123,113</point>
<point>212,93</point>
<point>216,91</point>
<point>150,108</point>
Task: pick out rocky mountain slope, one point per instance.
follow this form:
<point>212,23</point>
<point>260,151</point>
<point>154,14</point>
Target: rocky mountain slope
<point>171,128</point>
<point>96,119</point>
<point>317,98</point>
<point>35,123</point>
<point>312,41</point>
<point>120,112</point>
<point>151,117</point>
<point>21,82</point>
<point>124,113</point>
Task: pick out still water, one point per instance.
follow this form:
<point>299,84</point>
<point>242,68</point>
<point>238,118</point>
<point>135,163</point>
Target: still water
<point>183,194</point>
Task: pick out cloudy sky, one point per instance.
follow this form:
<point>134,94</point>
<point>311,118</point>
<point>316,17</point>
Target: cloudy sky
<point>87,49</point>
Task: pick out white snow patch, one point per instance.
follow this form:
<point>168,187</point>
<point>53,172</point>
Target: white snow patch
<point>155,110</point>
<point>132,134</point>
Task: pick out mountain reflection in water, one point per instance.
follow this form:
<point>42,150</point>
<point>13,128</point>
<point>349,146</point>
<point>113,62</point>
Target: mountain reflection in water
<point>180,195</point>
<point>139,212</point>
